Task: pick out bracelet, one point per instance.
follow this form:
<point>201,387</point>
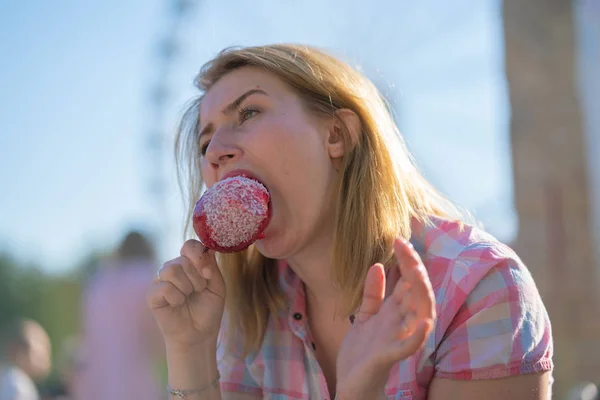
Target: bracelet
<point>182,393</point>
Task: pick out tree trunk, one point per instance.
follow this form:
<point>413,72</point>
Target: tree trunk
<point>551,180</point>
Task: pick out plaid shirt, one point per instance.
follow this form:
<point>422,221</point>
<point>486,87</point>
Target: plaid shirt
<point>491,323</point>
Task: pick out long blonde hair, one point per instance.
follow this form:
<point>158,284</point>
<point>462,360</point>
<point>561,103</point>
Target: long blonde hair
<point>379,190</point>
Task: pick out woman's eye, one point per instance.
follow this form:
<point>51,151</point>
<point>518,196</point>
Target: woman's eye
<point>204,147</point>
<point>244,115</point>
<point>247,113</point>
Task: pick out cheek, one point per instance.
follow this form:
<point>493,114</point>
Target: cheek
<point>293,139</point>
<point>270,145</point>
<point>207,173</point>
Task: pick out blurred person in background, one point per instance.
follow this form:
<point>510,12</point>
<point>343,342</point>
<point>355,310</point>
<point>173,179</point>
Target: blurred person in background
<point>120,346</point>
<point>26,359</point>
<point>68,366</point>
<point>367,282</point>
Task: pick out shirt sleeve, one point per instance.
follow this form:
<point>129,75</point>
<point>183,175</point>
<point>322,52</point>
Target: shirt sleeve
<point>499,326</point>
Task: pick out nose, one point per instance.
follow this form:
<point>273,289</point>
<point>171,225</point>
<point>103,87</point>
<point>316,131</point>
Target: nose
<point>222,150</point>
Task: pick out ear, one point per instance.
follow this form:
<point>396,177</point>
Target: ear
<point>344,132</point>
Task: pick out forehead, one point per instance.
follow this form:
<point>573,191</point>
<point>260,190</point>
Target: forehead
<point>237,82</point>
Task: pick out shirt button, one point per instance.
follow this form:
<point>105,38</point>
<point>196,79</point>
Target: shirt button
<point>297,316</point>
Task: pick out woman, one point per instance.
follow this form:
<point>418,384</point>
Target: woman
<point>367,283</point>
<point>120,345</point>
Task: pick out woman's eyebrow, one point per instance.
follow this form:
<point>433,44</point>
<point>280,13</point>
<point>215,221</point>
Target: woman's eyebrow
<point>235,104</point>
<point>232,107</point>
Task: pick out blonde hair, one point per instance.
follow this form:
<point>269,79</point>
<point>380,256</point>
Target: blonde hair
<point>379,190</point>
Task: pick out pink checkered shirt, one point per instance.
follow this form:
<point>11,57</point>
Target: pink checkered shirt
<point>491,324</point>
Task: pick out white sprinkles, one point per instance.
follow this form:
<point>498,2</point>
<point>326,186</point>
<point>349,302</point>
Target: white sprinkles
<point>234,210</point>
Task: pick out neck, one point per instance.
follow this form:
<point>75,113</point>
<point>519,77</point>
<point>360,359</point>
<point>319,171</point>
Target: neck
<point>313,267</point>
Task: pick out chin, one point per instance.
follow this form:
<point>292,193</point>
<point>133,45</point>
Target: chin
<point>268,250</point>
<point>273,247</point>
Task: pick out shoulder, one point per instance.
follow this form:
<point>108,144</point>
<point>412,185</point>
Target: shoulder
<point>491,318</point>
<point>14,383</point>
<point>463,261</point>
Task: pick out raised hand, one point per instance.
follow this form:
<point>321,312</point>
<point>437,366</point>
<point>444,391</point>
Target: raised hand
<point>187,298</point>
<point>385,332</point>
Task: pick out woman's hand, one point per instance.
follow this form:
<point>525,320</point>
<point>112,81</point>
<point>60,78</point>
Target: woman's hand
<point>187,298</point>
<point>385,332</point>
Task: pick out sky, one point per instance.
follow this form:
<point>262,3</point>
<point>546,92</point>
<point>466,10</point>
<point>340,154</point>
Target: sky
<point>75,109</point>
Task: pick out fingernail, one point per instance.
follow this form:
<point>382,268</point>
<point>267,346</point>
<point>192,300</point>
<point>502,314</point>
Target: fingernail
<point>406,241</point>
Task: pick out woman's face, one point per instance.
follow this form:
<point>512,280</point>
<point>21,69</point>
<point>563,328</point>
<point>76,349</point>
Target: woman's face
<point>252,122</point>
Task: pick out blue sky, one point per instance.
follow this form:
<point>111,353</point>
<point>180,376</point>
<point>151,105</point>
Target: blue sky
<point>75,112</point>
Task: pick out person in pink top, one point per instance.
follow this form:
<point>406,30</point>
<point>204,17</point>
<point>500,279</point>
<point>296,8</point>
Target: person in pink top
<point>119,348</point>
<point>367,284</point>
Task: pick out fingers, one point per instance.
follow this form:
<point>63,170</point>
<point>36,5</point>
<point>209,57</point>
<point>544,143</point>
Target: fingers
<point>165,294</point>
<point>194,271</point>
<point>419,296</point>
<point>404,348</point>
<point>373,293</point>
<point>402,297</point>
<point>408,259</point>
<point>173,272</point>
<point>412,301</point>
<point>174,281</point>
<point>195,277</point>
<point>206,264</point>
